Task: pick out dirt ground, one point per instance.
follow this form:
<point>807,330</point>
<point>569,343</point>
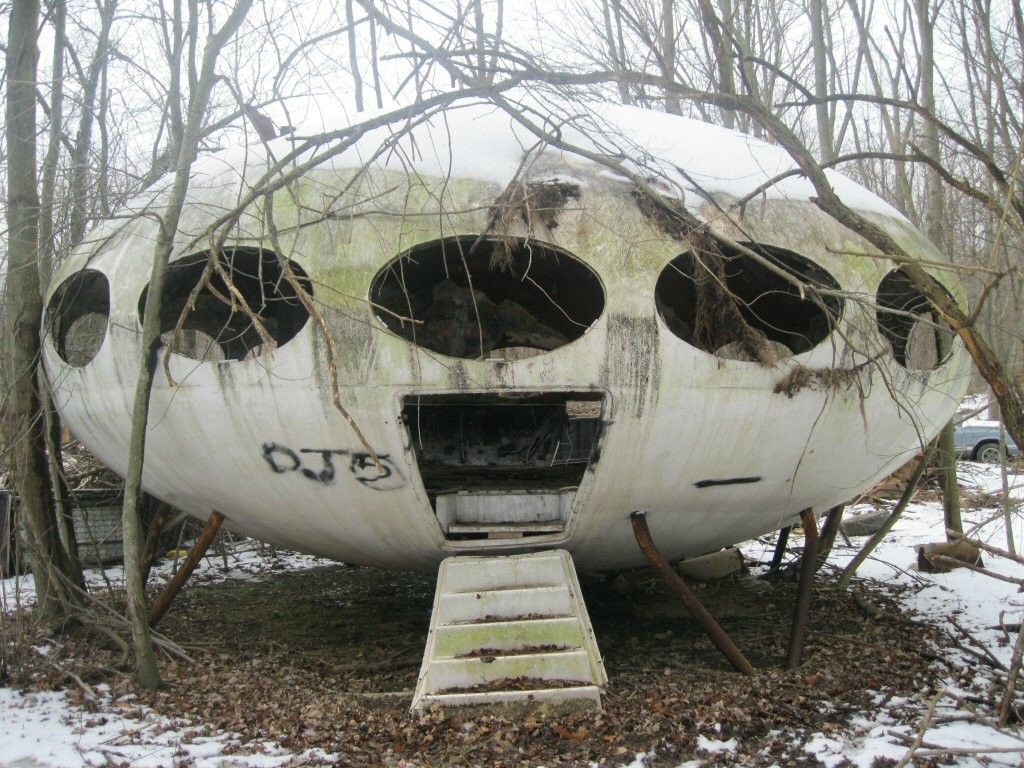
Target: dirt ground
<point>328,657</point>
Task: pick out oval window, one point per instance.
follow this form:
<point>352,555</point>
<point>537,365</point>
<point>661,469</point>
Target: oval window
<point>78,314</point>
<point>217,328</point>
<point>487,297</point>
<point>920,340</point>
<point>734,306</point>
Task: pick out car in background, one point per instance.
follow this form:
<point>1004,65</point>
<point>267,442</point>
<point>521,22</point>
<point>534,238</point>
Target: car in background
<point>979,441</point>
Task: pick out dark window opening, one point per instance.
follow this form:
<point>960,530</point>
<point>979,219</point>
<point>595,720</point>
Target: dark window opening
<point>78,313</point>
<point>216,330</point>
<point>503,466</point>
<point>475,298</point>
<point>920,341</point>
<point>691,297</point>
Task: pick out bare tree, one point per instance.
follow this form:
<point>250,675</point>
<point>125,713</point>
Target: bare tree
<point>205,78</point>
<point>26,427</point>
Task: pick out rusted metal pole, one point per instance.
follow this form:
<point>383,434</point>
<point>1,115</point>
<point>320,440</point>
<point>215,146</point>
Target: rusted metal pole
<point>829,531</point>
<point>668,574</point>
<point>780,549</point>
<point>808,565</point>
<point>198,550</point>
<point>156,526</point>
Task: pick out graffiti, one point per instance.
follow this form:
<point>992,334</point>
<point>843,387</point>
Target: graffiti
<point>319,465</point>
<point>729,481</point>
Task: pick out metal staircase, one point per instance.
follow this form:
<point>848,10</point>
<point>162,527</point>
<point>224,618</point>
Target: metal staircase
<point>510,631</point>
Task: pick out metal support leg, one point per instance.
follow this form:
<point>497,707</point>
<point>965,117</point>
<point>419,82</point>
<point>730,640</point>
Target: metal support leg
<point>171,590</point>
<point>718,636</point>
<point>805,590</point>
<point>780,550</point>
<point>829,531</point>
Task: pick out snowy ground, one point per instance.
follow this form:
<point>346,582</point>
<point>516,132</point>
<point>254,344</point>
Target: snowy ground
<point>44,729</point>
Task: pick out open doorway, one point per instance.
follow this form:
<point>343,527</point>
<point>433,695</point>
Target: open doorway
<point>499,467</point>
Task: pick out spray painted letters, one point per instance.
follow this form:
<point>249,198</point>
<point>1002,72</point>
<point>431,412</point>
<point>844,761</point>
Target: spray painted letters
<point>321,465</point>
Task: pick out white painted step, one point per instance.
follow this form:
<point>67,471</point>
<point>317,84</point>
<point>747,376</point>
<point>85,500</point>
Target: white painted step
<point>516,625</point>
<point>571,665</point>
<point>578,697</point>
<point>503,604</point>
<point>452,640</point>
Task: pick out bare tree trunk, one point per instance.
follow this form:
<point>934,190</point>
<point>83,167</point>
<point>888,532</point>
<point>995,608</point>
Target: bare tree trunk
<point>935,230</point>
<point>145,659</point>
<point>826,138</point>
<point>668,55</point>
<point>83,138</point>
<point>63,502</point>
<point>47,246</point>
<point>613,49</point>
<point>47,250</point>
<point>23,315</point>
<point>375,64</point>
<point>723,56</point>
<point>353,57</point>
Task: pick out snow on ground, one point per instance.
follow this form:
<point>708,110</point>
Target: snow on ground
<point>44,729</point>
<point>244,561</point>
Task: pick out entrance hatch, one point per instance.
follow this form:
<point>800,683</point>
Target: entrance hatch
<point>503,466</point>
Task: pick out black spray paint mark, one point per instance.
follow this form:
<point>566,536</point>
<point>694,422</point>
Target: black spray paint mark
<point>283,460</point>
<point>325,474</point>
<point>730,481</point>
<point>272,450</point>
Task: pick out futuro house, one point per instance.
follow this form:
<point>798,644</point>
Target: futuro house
<point>528,351</point>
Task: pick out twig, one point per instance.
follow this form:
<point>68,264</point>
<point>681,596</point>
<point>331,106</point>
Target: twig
<point>987,547</point>
<point>1011,681</point>
<point>968,751</point>
<point>875,612</point>
<point>985,654</point>
<point>952,562</point>
<point>86,688</point>
<point>921,730</point>
<point>908,739</point>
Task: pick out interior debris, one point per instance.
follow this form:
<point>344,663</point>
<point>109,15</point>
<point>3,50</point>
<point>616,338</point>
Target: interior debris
<point>215,329</point>
<point>487,443</point>
<point>453,297</point>
<point>693,294</point>
<point>907,321</point>
<point>78,313</point>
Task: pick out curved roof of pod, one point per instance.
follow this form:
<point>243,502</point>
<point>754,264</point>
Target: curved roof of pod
<point>473,139</point>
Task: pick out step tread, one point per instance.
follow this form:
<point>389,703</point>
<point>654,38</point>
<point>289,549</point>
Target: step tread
<point>587,695</point>
<point>543,526</point>
<point>497,657</point>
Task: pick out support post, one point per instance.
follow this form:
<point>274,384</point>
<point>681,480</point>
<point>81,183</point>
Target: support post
<point>780,549</point>
<point>718,636</point>
<point>808,566</point>
<point>829,531</point>
<point>198,550</point>
<point>156,527</point>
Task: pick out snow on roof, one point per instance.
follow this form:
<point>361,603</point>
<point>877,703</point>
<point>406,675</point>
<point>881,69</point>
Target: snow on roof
<point>479,140</point>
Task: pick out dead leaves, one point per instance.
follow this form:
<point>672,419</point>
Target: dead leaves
<point>307,659</point>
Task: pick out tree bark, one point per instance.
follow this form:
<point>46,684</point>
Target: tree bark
<point>47,247</point>
<point>22,317</point>
<point>353,56</point>
<point>935,230</point>
<point>823,117</point>
<point>83,139</point>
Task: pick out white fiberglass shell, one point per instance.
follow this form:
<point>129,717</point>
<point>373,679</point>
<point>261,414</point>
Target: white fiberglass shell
<point>716,450</point>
